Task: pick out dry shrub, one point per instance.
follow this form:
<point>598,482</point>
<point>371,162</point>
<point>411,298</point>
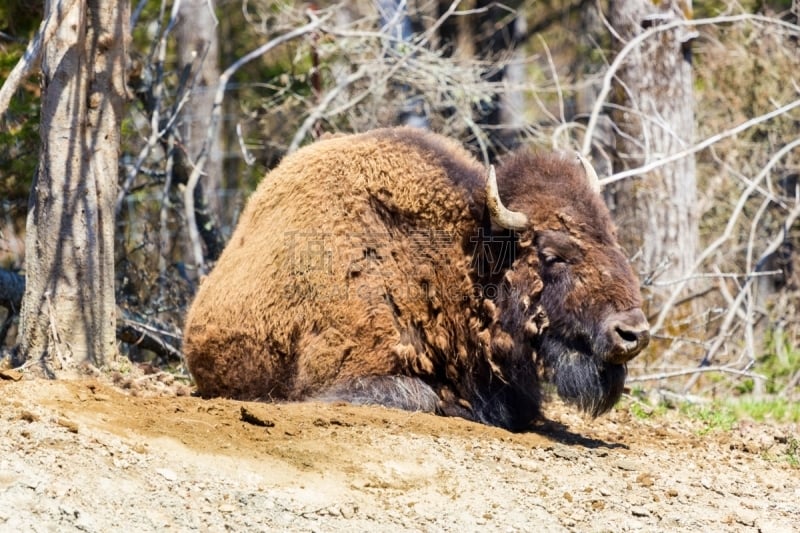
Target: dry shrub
<point>748,312</point>
<point>356,73</point>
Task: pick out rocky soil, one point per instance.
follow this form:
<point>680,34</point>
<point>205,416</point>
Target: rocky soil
<point>92,456</point>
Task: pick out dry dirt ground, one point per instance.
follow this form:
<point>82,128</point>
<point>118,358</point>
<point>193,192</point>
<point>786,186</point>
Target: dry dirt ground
<point>90,456</point>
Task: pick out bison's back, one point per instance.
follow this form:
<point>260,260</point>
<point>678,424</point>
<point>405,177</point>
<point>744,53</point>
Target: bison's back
<point>345,254</point>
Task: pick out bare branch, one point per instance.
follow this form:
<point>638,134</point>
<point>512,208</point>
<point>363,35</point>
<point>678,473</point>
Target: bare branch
<point>715,275</point>
<point>605,89</point>
<point>705,254</point>
<point>30,60</point>
<point>701,145</point>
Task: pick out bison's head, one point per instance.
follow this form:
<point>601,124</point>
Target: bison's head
<point>570,268</point>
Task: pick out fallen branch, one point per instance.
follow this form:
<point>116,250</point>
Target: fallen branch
<point>695,371</point>
<point>131,329</point>
<point>146,335</point>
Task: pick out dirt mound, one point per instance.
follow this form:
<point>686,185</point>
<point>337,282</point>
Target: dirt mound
<point>86,456</point>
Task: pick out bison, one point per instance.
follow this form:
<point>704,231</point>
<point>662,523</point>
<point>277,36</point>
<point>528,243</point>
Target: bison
<point>383,268</point>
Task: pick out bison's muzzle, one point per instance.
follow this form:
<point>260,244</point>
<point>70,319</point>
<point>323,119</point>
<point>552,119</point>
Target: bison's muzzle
<point>628,333</point>
<point>592,375</point>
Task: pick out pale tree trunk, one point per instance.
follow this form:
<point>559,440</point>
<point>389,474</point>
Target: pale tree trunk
<point>656,212</point>
<point>68,310</point>
<point>198,52</point>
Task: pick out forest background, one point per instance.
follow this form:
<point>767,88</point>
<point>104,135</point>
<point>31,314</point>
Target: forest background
<point>689,112</point>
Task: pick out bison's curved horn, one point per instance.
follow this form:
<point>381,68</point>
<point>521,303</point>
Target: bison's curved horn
<point>591,175</point>
<point>502,216</point>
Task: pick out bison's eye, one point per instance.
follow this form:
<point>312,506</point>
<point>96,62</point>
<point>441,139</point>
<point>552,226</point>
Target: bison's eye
<point>550,258</point>
<point>556,249</point>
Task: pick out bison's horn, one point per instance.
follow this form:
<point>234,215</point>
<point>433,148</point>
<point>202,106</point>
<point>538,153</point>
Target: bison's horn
<point>503,217</point>
<point>591,175</point>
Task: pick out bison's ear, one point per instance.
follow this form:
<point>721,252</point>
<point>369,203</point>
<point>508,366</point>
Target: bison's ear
<point>591,175</point>
<point>500,215</point>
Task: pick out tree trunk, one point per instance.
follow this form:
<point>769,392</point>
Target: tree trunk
<point>656,212</point>
<point>68,310</point>
<point>198,53</point>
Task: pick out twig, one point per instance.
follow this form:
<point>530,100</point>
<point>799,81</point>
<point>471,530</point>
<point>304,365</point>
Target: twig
<point>33,53</point>
<point>792,382</point>
<point>668,304</point>
<point>551,64</point>
<point>164,231</point>
<point>246,155</point>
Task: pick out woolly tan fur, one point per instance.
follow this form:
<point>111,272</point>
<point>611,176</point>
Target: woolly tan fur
<point>364,268</point>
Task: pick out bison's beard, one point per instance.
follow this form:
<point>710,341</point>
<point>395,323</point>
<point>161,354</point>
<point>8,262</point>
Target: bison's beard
<point>581,379</point>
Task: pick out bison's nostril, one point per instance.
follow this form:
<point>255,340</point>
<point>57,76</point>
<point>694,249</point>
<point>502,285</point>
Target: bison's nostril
<point>632,341</point>
<point>629,335</point>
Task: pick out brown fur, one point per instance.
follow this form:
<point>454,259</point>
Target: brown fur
<point>361,257</point>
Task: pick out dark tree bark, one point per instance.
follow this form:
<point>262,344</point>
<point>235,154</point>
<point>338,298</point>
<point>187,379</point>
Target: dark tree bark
<point>12,287</point>
<point>492,33</point>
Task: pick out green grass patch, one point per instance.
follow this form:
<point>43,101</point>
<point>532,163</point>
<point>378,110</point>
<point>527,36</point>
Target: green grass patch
<point>793,452</point>
<point>780,361</point>
<point>723,415</point>
<point>771,409</point>
<point>715,416</point>
<point>641,411</point>
<point>638,405</point>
